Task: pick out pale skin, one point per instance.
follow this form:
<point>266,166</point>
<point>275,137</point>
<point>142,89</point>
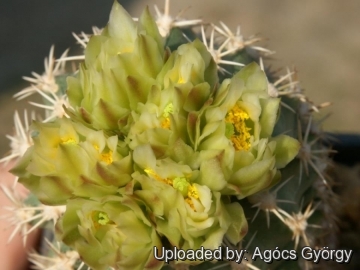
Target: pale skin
<point>13,255</point>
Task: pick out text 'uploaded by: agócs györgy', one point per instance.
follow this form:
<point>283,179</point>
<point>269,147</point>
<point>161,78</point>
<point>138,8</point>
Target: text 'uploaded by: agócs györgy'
<point>267,255</point>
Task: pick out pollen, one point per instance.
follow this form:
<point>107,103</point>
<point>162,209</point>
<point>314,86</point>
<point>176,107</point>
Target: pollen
<point>107,157</point>
<point>68,140</point>
<point>190,203</point>
<point>165,123</point>
<point>240,136</point>
<point>179,183</point>
<point>157,177</point>
<point>169,109</point>
<point>192,192</point>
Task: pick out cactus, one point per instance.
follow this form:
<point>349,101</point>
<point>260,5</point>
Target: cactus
<point>165,137</point>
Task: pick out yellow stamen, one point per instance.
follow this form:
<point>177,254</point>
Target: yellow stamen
<point>178,184</point>
<point>107,157</point>
<point>241,137</point>
<point>192,192</point>
<point>157,177</point>
<point>169,109</point>
<point>190,203</point>
<point>165,123</point>
<point>68,140</point>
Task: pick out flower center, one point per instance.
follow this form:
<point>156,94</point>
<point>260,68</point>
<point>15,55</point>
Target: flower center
<point>100,218</point>
<point>103,218</point>
<point>181,79</point>
<point>169,109</point>
<point>106,157</point>
<point>236,128</point>
<point>179,183</point>
<point>68,140</point>
<point>165,123</point>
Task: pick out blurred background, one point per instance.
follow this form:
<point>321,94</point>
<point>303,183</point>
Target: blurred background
<point>320,38</point>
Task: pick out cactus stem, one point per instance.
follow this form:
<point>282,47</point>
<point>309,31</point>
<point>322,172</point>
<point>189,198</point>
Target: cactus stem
<point>307,155</point>
<point>267,201</point>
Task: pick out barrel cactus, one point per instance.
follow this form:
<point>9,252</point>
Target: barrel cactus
<point>168,139</point>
